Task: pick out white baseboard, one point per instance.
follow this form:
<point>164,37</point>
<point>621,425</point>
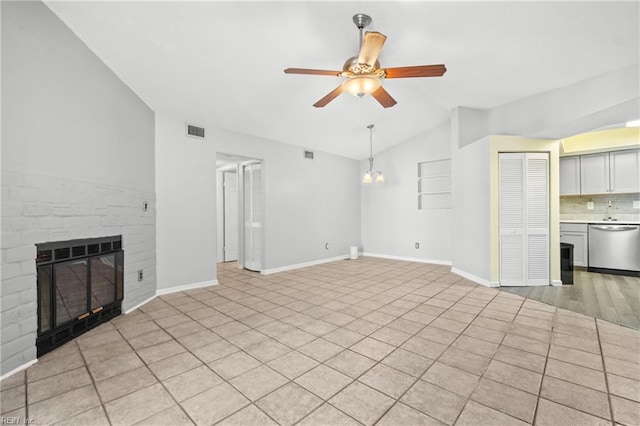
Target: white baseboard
<point>139,304</point>
<point>475,278</point>
<point>408,259</point>
<point>19,369</point>
<point>556,283</point>
<point>303,265</point>
<point>163,291</point>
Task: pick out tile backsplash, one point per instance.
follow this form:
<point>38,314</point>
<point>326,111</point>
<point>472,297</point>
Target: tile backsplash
<point>617,206</point>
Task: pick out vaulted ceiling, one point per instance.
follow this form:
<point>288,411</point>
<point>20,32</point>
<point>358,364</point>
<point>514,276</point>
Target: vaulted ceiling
<point>221,63</point>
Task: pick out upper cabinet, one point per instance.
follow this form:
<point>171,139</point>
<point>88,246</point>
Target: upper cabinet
<point>602,173</point>
<point>570,175</point>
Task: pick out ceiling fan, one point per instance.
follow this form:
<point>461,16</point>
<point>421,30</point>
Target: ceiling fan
<point>363,73</point>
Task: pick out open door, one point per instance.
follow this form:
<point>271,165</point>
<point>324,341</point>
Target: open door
<point>252,190</point>
<point>231,213</point>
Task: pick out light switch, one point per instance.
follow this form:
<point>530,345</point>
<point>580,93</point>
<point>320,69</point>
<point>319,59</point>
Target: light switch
<point>589,205</point>
<point>636,204</point>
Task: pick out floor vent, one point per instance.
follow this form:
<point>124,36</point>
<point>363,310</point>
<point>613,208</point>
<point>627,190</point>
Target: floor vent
<point>195,131</point>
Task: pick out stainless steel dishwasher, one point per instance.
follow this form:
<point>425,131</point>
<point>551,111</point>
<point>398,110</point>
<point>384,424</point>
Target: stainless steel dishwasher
<point>615,247</point>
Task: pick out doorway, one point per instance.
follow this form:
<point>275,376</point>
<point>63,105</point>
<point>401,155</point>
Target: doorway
<point>240,211</point>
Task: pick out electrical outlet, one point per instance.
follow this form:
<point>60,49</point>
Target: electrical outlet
<point>326,246</point>
<point>636,204</point>
<point>145,206</point>
<point>417,246</point>
<point>140,275</point>
<point>589,205</point>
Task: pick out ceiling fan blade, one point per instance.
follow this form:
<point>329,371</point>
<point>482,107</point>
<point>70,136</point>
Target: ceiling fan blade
<point>312,72</point>
<point>383,97</point>
<point>328,98</point>
<point>371,46</point>
<point>417,71</point>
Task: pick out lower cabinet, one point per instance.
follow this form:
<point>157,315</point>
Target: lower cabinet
<point>576,234</point>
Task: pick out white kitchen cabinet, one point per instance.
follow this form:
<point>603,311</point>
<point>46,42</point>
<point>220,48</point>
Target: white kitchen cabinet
<point>576,234</point>
<point>594,173</point>
<point>624,171</point>
<point>570,175</point>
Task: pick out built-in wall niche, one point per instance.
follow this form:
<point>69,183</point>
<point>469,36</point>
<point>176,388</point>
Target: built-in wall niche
<point>434,184</point>
<point>80,286</point>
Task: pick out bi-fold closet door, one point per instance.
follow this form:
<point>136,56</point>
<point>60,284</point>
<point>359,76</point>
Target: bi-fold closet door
<point>252,190</point>
<point>524,219</point>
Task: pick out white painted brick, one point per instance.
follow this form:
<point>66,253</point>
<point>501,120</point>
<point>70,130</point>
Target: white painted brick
<point>62,210</point>
<point>36,181</point>
<point>28,267</point>
<point>83,187</point>
<point>17,224</point>
<point>36,236</point>
<point>15,347</point>
<point>17,283</point>
<point>20,254</point>
<point>37,209</point>
<point>10,301</point>
<point>11,208</point>
<point>50,222</point>
<point>11,332</point>
<point>28,295</point>
<point>29,325</point>
<point>9,271</point>
<point>50,196</point>
<point>11,239</point>
<point>12,178</point>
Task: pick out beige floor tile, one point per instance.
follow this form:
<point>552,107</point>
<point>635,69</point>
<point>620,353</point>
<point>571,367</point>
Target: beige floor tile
<point>293,364</point>
<point>624,387</point>
<point>401,414</point>
<point>449,325</point>
<point>203,412</point>
<point>149,339</point>
<point>343,337</point>
<point>622,368</point>
<point>323,381</point>
<point>114,366</point>
<point>574,356</point>
<point>434,401</point>
<point>476,346</point>
<point>451,378</point>
<point>372,348</point>
<point>247,338</point>
<point>14,380</point>
<point>362,403</point>
<point>234,365</point>
<point>464,360</point>
<point>513,376</point>
<point>320,349</point>
<point>423,347</point>
<point>506,399</point>
<point>139,405</point>
<point>475,414</point>
<point>387,380</point>
<point>620,352</point>
<point>268,350</point>
<point>438,335</point>
<point>216,350</point>
<point>12,398</point>
<point>92,417</point>
<point>248,416</point>
<point>199,339</point>
<point>525,344</point>
<point>175,365</point>
<point>328,415</point>
<point>350,363</point>
<point>295,338</point>
<point>408,362</point>
<point>551,414</point>
<point>192,382</point>
<point>289,404</point>
<point>98,338</point>
<point>492,324</point>
<point>172,320</point>
<point>64,405</point>
<point>161,351</point>
<point>101,353</point>
<point>587,345</point>
<point>363,326</point>
<point>575,396</point>
<point>526,360</point>
<point>484,334</point>
<point>390,336</point>
<point>230,329</point>
<point>574,373</point>
<point>122,384</point>
<point>256,383</point>
<point>170,417</point>
<point>65,359</point>
<point>625,411</point>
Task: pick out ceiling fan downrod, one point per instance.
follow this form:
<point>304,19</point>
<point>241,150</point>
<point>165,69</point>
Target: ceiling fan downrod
<point>362,21</point>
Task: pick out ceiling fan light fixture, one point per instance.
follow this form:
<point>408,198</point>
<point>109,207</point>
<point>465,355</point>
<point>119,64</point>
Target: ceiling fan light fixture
<point>360,85</point>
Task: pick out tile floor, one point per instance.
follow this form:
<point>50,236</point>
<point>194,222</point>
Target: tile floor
<point>371,341</point>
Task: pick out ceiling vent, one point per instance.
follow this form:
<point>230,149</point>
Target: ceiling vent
<point>308,154</point>
<point>195,131</point>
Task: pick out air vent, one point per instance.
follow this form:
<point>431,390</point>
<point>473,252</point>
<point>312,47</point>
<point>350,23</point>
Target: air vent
<point>308,154</point>
<point>195,131</point>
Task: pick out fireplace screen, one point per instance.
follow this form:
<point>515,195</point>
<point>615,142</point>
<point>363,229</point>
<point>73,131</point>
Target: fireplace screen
<point>79,287</point>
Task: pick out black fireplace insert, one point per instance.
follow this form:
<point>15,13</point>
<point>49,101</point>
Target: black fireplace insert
<point>80,286</point>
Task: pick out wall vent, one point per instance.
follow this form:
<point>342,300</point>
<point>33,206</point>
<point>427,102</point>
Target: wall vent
<point>308,154</point>
<point>195,131</point>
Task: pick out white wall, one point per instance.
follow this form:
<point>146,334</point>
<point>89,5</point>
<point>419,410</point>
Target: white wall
<point>307,202</point>
<point>391,221</point>
<point>77,162</point>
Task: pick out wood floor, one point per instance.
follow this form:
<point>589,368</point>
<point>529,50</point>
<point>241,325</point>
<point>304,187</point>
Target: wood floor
<point>613,298</point>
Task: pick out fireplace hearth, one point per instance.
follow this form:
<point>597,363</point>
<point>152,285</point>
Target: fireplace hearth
<point>80,286</point>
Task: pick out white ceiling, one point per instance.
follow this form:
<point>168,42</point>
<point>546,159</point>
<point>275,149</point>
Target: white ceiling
<point>221,63</point>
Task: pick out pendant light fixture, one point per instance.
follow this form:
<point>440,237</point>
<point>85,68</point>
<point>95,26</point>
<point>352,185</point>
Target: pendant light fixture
<point>372,175</point>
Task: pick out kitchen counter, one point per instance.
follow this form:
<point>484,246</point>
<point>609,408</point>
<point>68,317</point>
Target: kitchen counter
<point>602,222</point>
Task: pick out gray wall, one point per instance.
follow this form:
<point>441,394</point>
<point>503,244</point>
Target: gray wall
<point>307,202</point>
<point>391,221</point>
<point>77,162</point>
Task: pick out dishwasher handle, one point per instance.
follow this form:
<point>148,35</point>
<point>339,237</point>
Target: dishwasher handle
<point>614,227</point>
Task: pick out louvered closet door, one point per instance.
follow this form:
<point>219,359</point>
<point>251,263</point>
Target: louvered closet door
<point>252,216</point>
<point>524,219</point>
<point>231,214</point>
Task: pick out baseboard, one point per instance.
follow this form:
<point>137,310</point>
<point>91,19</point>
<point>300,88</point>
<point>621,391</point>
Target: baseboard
<point>302,265</point>
<point>556,283</point>
<point>475,278</point>
<point>408,259</point>
<point>163,291</point>
<point>19,369</point>
<point>139,304</point>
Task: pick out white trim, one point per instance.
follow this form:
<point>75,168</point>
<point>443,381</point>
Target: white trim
<point>303,265</point>
<point>163,291</point>
<point>408,259</point>
<point>475,278</point>
<point>19,369</point>
<point>556,283</point>
<point>140,304</point>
